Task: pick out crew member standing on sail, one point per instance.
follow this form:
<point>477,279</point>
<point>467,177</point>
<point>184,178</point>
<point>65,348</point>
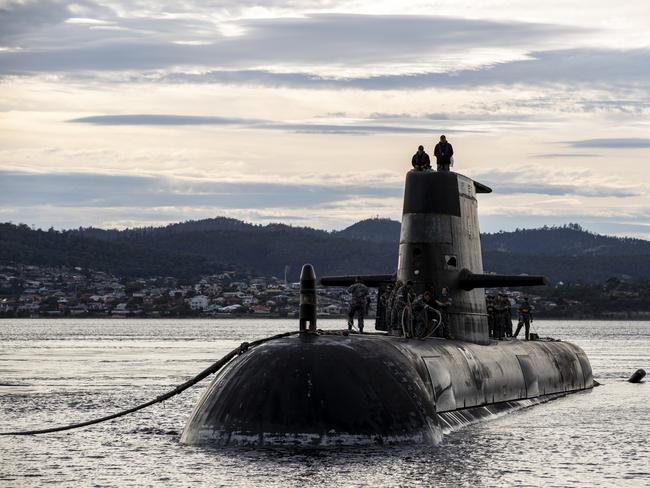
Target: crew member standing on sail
<point>443,153</point>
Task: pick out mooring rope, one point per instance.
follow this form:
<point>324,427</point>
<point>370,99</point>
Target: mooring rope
<point>243,347</point>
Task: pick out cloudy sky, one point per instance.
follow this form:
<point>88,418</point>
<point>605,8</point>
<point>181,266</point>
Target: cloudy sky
<point>126,113</point>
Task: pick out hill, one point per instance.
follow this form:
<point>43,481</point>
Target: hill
<point>20,244</point>
<point>266,250</point>
<point>377,230</point>
<point>568,240</point>
<point>192,248</point>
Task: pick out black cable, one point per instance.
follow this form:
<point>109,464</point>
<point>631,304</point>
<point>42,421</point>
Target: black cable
<point>161,398</point>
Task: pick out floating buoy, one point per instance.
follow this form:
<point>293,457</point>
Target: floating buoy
<point>638,375</point>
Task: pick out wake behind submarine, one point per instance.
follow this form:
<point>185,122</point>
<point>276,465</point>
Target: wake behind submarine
<point>318,388</point>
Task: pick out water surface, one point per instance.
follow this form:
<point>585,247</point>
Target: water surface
<point>61,371</point>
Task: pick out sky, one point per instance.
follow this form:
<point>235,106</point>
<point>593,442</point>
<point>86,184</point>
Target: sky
<point>121,114</point>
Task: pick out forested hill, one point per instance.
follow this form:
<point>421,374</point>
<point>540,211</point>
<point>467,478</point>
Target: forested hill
<point>378,230</point>
<point>266,249</point>
<point>22,245</point>
<point>192,248</point>
<point>569,240</point>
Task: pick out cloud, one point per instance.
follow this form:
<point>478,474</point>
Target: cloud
<point>163,119</point>
<point>623,106</point>
<point>602,68</point>
<point>74,189</point>
<point>67,200</point>
<point>20,189</point>
<point>332,45</point>
<point>541,181</point>
<point>566,155</point>
<point>622,143</point>
<point>18,18</point>
<point>373,52</point>
<point>593,223</point>
<point>352,127</point>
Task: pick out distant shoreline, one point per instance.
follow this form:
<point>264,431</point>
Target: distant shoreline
<point>327,317</point>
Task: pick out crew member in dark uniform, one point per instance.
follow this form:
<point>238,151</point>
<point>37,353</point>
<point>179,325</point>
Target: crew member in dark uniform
<point>383,295</point>
<point>424,313</point>
<point>525,318</point>
<point>394,309</point>
<point>406,298</point>
<point>502,318</point>
<point>421,160</point>
<point>507,316</point>
<point>401,317</point>
<point>358,304</point>
<point>443,153</point>
<point>490,307</point>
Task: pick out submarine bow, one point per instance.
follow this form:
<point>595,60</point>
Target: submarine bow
<point>316,390</point>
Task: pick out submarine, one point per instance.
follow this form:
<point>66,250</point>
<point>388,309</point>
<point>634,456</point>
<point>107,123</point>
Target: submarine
<point>331,388</point>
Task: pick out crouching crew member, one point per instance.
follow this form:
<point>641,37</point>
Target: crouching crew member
<point>421,160</point>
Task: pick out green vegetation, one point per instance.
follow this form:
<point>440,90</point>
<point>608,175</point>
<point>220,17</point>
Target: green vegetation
<point>22,245</point>
<point>195,248</point>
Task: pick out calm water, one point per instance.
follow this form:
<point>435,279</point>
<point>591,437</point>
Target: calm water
<point>60,371</point>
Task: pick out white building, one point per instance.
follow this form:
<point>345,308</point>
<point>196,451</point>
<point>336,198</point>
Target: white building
<point>199,302</point>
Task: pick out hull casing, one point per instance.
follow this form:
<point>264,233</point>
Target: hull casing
<point>351,390</point>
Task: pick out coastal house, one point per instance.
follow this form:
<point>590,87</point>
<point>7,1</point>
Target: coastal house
<point>8,305</point>
<point>332,309</point>
<point>199,302</point>
<point>260,310</point>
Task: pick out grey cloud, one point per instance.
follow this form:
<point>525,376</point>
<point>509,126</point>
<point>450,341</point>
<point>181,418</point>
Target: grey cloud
<point>599,224</point>
<point>488,115</point>
<point>622,143</point>
<point>146,46</point>
<point>307,127</point>
<point>18,18</point>
<point>162,119</point>
<point>626,106</point>
<point>566,155</point>
<point>557,190</point>
<point>502,117</point>
<point>102,191</point>
<point>91,190</point>
<point>338,39</point>
<point>593,67</point>
<point>527,181</point>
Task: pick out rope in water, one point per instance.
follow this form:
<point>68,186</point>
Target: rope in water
<point>245,346</point>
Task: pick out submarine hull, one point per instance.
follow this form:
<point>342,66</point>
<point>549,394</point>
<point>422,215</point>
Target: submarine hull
<point>333,389</point>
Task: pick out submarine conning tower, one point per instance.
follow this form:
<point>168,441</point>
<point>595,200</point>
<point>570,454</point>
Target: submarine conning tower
<point>440,243</point>
<point>440,249</point>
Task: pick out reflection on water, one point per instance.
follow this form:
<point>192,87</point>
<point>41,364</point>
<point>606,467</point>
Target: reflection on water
<point>59,371</point>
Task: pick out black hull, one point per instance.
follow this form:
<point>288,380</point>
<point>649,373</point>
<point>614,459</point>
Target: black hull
<point>364,390</point>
